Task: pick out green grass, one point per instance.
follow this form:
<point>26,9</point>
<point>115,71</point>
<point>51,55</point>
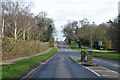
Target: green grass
<point>105,55</point>
<point>20,67</point>
<point>75,47</point>
<point>115,52</point>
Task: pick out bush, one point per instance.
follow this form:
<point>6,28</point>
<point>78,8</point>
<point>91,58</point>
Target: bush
<point>12,48</point>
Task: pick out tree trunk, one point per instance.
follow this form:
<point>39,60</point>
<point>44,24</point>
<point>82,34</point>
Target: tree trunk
<point>28,33</point>
<point>15,35</point>
<point>79,44</point>
<point>3,27</point>
<point>3,22</point>
<point>15,31</point>
<point>69,40</point>
<point>24,34</point>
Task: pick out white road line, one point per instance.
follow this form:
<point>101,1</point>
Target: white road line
<point>107,63</point>
<point>105,75</point>
<point>114,71</point>
<point>43,63</point>
<point>106,69</point>
<point>93,71</point>
<point>30,72</point>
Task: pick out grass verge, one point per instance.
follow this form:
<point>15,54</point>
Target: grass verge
<point>98,54</point>
<point>107,55</point>
<point>75,47</point>
<point>20,67</point>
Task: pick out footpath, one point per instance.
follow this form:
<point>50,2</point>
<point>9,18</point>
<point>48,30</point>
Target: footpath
<point>10,61</point>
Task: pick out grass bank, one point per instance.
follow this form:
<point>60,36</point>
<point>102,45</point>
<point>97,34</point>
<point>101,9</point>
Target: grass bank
<point>20,67</point>
<point>99,54</point>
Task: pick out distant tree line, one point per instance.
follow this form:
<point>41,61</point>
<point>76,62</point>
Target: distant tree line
<point>18,22</point>
<point>82,32</point>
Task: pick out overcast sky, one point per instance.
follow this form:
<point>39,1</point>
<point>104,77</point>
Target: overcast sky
<point>61,11</point>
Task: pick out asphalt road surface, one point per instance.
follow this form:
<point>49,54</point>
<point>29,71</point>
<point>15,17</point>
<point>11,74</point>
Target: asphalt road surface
<point>62,66</point>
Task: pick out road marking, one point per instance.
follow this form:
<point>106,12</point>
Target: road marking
<point>100,71</point>
<point>109,70</point>
<point>105,75</point>
<point>93,71</point>
<point>38,67</point>
<point>30,72</point>
<point>107,63</point>
<point>114,71</point>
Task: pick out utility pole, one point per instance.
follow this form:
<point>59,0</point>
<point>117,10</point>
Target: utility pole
<point>91,34</point>
<point>91,38</point>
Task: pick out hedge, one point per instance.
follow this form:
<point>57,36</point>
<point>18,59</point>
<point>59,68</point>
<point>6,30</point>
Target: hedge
<point>12,48</point>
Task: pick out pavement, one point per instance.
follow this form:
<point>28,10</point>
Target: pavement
<point>63,66</point>
<point>11,61</point>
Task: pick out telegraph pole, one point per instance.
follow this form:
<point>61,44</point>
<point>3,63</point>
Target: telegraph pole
<point>91,38</point>
<point>91,34</point>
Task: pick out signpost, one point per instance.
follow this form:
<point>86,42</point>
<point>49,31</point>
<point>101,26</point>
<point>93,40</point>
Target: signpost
<point>89,56</point>
<point>100,43</point>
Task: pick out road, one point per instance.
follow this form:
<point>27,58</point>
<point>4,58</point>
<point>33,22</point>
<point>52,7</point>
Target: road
<point>62,66</point>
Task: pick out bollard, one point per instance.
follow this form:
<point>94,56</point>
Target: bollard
<point>82,55</point>
<point>89,56</point>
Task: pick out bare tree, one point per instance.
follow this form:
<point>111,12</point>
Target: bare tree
<point>3,18</point>
<point>16,18</point>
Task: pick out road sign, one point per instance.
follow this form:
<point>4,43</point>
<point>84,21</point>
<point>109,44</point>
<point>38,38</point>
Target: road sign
<point>89,56</point>
<point>89,52</point>
<point>100,43</point>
